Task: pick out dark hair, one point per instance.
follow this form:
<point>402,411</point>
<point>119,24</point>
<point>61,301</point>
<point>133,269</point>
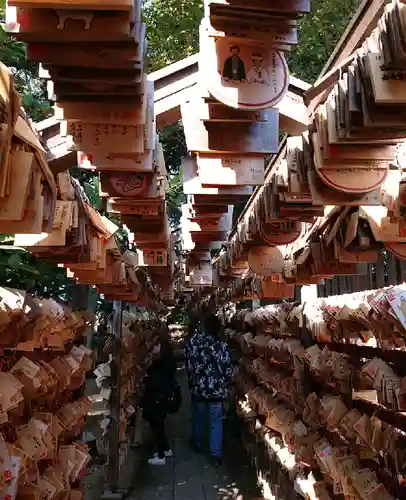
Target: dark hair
<point>166,349</point>
<point>234,47</point>
<point>212,325</point>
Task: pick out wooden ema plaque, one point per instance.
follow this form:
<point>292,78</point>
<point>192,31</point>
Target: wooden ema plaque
<point>124,162</point>
<point>384,227</point>
<point>91,138</point>
<point>280,7</point>
<point>242,75</point>
<point>112,55</point>
<point>207,237</point>
<point>196,238</point>
<point>78,74</point>
<point>277,34</point>
<point>65,25</point>
<point>275,290</point>
<point>94,91</point>
<point>193,212</point>
<point>201,274</point>
<point>126,184</point>
<point>219,199</point>
<point>211,110</point>
<point>96,113</point>
<point>230,170</point>
<point>151,241</point>
<point>152,207</point>
<point>356,178</point>
<point>146,224</point>
<point>192,184</point>
<point>397,249</point>
<point>126,5</point>
<point>152,258</point>
<point>388,85</point>
<point>266,261</point>
<point>323,194</point>
<point>233,137</point>
<point>279,233</point>
<point>220,222</point>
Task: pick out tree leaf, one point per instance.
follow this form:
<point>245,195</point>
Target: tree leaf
<point>14,261</point>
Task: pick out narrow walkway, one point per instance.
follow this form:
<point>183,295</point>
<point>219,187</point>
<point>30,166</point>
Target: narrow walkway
<point>188,476</point>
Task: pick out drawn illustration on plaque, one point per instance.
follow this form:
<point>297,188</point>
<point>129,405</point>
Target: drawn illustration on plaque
<point>403,305</point>
<point>234,68</point>
<point>64,15</point>
<point>128,184</point>
<point>257,73</point>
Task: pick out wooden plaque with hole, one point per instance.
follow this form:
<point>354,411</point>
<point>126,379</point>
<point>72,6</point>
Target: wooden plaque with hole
<point>125,5</point>
<point>64,25</point>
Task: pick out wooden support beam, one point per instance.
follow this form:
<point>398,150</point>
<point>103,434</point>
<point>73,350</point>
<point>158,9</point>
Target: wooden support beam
<point>178,83</point>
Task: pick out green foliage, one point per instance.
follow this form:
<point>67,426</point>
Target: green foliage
<point>90,183</point>
<point>173,142</point>
<point>173,34</point>
<point>319,33</point>
<point>172,30</point>
<point>174,146</point>
<point>20,269</point>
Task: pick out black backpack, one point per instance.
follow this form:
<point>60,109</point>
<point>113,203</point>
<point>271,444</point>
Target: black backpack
<point>175,400</point>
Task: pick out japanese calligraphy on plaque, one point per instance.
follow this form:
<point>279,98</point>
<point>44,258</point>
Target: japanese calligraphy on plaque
<point>90,137</point>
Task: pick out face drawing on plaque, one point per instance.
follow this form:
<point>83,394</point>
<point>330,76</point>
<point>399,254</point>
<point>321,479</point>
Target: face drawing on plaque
<point>257,73</point>
<point>234,68</point>
<point>403,306</point>
<point>130,183</point>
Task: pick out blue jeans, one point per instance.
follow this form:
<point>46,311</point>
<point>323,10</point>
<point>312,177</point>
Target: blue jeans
<point>215,409</point>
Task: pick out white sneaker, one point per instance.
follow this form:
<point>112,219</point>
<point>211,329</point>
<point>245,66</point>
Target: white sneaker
<point>155,460</point>
<point>168,454</point>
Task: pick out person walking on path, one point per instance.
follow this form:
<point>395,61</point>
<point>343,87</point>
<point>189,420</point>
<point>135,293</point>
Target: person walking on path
<point>210,371</point>
<point>160,385</point>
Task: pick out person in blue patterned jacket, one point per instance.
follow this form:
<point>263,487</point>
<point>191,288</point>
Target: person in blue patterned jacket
<point>210,371</point>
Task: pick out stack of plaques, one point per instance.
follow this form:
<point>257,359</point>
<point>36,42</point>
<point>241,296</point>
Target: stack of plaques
<point>92,53</point>
<point>349,167</point>
<point>232,126</point>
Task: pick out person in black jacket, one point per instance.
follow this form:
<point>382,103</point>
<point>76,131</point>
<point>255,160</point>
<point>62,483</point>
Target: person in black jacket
<point>159,388</point>
<point>234,68</point>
